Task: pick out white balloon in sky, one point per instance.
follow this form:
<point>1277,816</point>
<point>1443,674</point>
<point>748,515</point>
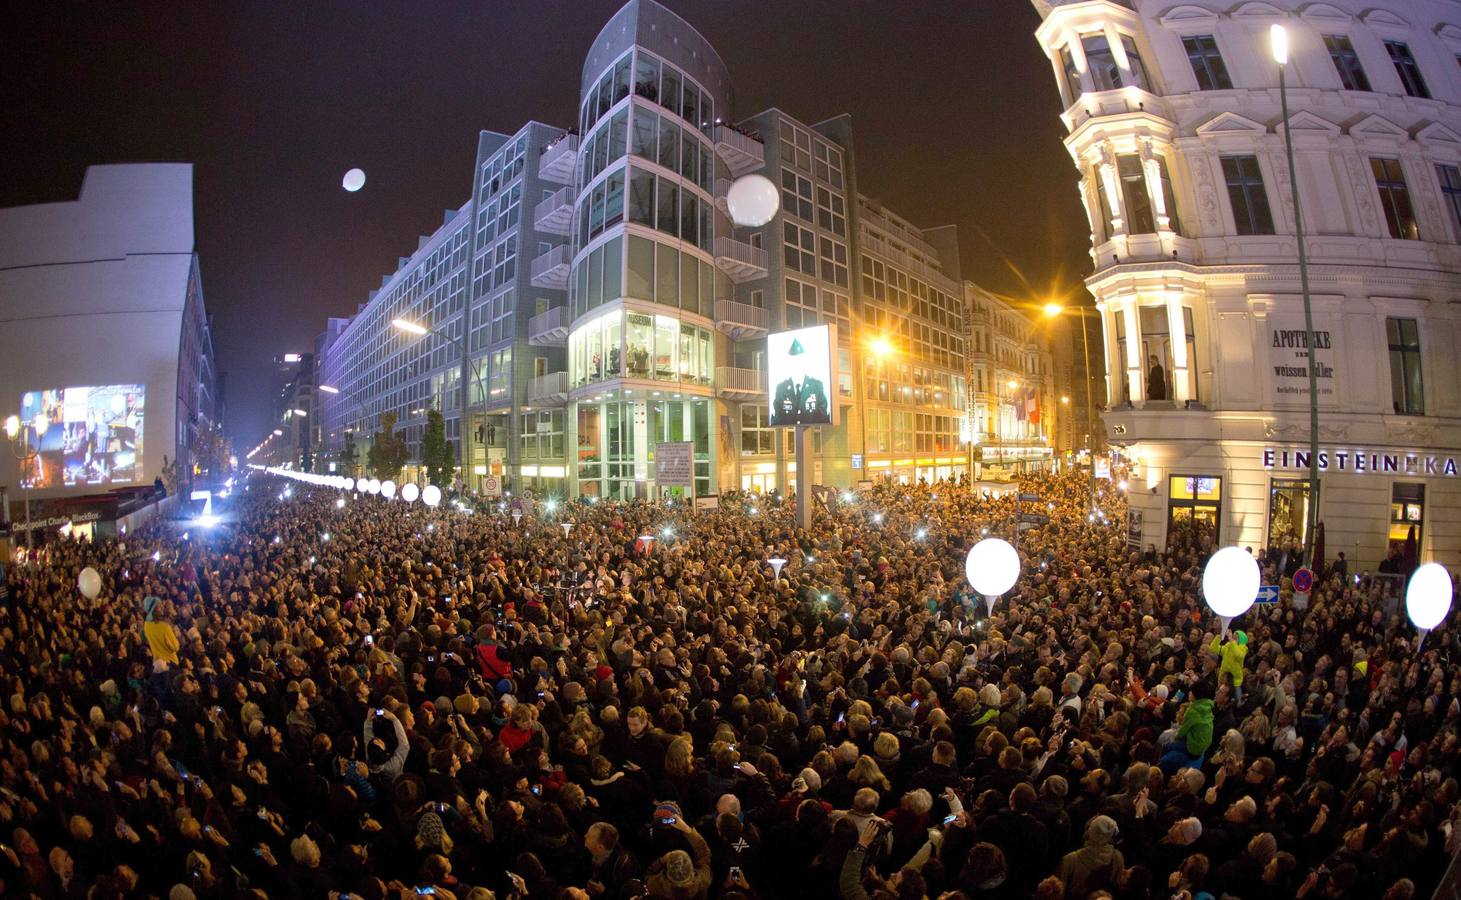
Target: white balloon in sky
<point>752,201</point>
<point>354,180</point>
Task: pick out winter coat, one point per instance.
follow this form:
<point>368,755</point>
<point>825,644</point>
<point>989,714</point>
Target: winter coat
<point>1196,727</point>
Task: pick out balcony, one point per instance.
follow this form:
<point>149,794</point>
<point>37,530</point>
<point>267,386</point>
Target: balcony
<point>722,188</point>
<point>555,213</point>
<point>558,158</point>
<point>738,259</point>
<point>549,328</point>
<point>740,385</point>
<point>740,321</point>
<point>549,390</point>
<point>551,269</point>
<point>742,153</point>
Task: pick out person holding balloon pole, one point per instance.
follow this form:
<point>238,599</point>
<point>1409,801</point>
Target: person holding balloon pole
<point>1231,653</point>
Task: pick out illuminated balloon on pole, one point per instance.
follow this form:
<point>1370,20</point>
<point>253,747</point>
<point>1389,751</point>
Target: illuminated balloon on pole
<point>409,492</point>
<point>89,583</point>
<point>1427,598</point>
<point>1230,583</point>
<point>354,180</point>
<point>776,563</point>
<point>992,567</point>
<point>388,489</point>
<point>752,201</point>
<point>431,495</point>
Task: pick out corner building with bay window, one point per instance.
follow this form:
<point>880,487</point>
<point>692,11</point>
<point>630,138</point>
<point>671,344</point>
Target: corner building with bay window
<point>670,303</point>
<point>1175,127</point>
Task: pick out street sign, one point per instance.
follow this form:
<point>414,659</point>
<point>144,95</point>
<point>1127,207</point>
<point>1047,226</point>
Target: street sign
<point>857,460</point>
<point>491,486</point>
<point>1029,498</point>
<point>1268,593</point>
<point>1034,518</point>
<point>1303,581</point>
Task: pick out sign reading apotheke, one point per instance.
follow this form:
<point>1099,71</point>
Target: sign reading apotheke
<point>1288,353</point>
<point>1361,460</point>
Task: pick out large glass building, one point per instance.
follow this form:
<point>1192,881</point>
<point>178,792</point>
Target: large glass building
<point>609,304</point>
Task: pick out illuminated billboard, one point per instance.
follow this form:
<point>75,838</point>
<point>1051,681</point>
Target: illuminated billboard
<point>800,376</point>
<point>90,436</point>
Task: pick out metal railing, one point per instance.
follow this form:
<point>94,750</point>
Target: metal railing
<point>741,314</point>
<point>740,252</point>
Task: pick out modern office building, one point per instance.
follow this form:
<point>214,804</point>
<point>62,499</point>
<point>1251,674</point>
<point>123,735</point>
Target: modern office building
<point>104,341</point>
<point>614,306</point>
<point>1176,130</point>
<point>1012,384</point>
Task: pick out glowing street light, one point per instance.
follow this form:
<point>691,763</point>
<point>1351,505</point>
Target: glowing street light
<point>300,412</point>
<point>880,347</point>
<point>12,427</point>
<point>278,433</point>
<point>408,326</point>
<point>329,389</point>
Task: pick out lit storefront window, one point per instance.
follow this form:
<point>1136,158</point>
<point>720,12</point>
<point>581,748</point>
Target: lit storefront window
<point>1194,507</point>
<point>630,344</point>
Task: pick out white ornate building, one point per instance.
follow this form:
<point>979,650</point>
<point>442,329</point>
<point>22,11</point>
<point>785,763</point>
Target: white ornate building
<point>1174,121</point>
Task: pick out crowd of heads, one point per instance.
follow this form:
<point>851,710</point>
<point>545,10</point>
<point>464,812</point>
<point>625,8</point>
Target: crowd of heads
<point>377,699</point>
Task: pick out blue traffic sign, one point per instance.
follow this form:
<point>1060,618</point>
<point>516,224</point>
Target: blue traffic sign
<point>1267,593</point>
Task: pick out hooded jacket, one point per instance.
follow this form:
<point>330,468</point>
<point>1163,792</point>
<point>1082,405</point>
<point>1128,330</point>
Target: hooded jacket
<point>1196,727</point>
<point>162,640</point>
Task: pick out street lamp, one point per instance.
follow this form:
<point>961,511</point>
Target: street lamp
<point>1053,309</point>
<point>300,412</point>
<point>329,389</point>
<point>416,328</point>
<point>1279,40</point>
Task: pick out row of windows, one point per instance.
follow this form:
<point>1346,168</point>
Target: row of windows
<point>663,205</point>
<point>895,431</point>
<point>886,283</point>
<point>628,344</point>
<point>803,150</point>
<point>648,271</point>
<point>502,168</point>
<point>498,216</point>
<point>802,309</point>
<point>808,254</point>
<point>540,434</point>
<point>1211,72</point>
<point>811,203</point>
<point>660,139</point>
<point>654,80</point>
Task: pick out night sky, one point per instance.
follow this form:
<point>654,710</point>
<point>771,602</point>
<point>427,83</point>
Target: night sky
<point>954,113</point>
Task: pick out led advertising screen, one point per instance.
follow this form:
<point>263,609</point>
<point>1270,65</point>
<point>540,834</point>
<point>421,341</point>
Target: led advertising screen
<point>83,436</point>
<point>799,369</point>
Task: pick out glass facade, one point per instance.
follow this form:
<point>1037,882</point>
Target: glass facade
<point>626,343</point>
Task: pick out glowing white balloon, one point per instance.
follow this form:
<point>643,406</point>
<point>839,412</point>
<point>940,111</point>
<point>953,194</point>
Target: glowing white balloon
<point>89,583</point>
<point>992,567</point>
<point>409,492</point>
<point>752,201</point>
<point>1230,583</point>
<point>348,484</point>
<point>388,489</point>
<point>431,495</point>
<point>1427,598</point>
<point>354,180</point>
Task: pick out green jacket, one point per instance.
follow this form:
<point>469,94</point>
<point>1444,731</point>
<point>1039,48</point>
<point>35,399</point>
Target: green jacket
<point>1231,655</point>
<point>1196,727</point>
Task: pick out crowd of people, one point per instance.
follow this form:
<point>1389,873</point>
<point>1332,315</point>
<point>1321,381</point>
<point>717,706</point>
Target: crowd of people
<point>337,696</point>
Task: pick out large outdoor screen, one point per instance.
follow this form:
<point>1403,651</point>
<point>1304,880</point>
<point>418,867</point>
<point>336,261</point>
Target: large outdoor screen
<point>91,436</point>
<point>799,368</point>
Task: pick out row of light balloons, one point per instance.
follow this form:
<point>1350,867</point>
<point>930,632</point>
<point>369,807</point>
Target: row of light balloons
<point>430,495</point>
<point>1230,583</point>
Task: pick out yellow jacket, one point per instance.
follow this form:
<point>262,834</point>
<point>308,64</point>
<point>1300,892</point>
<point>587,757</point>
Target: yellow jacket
<point>162,640</point>
<point>1231,655</point>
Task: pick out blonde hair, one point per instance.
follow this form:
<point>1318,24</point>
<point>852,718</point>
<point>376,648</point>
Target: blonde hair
<point>866,771</point>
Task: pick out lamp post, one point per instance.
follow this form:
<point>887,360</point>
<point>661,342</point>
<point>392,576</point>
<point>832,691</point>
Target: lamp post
<point>1052,310</point>
<point>21,445</point>
<point>364,413</point>
<point>467,367</point>
<point>1279,41</point>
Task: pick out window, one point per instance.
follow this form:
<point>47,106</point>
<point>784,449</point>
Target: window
<point>1406,389</point>
<point>1395,198</point>
<point>796,146</point>
<point>1346,62</point>
<point>1194,508</point>
<point>1169,198</point>
<point>831,212</point>
<point>829,164</point>
<point>1207,63</point>
<point>1101,63</point>
<point>1407,513</point>
<point>1407,68</point>
<point>1134,64</point>
<point>1072,74</point>
<point>1450,178</point>
<point>796,195</point>
<point>834,262</point>
<point>800,249</point>
<point>1251,214</point>
<point>756,437</point>
<point>1136,203</point>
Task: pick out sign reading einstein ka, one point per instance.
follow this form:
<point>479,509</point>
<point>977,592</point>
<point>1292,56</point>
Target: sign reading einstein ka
<point>1362,461</point>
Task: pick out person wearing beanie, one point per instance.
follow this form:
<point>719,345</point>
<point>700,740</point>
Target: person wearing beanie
<point>162,640</point>
<point>1231,654</point>
<point>1097,864</point>
<point>679,875</point>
